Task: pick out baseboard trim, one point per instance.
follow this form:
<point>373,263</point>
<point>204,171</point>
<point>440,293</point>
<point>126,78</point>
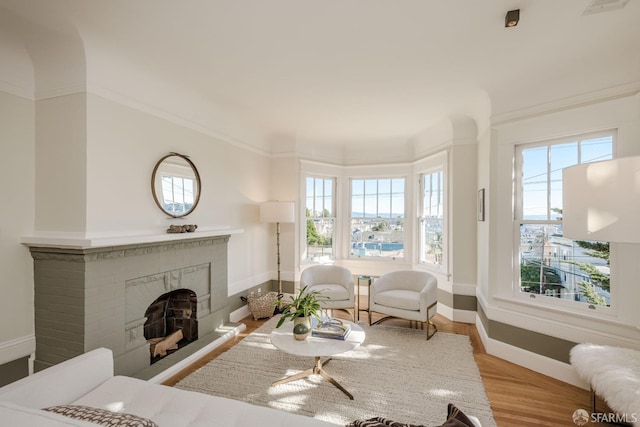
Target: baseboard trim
<point>464,316</point>
<point>540,364</point>
<point>456,315</point>
<point>239,314</point>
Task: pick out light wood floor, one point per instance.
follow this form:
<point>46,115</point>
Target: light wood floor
<point>519,397</point>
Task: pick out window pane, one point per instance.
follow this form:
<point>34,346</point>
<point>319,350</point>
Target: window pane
<point>328,198</point>
<point>593,150</point>
<point>431,222</point>
<point>558,267</point>
<point>371,186</point>
<point>357,206</point>
<point>397,198</point>
<point>427,202</point>
<point>309,187</point>
<point>328,207</point>
<point>320,221</point>
<point>377,237</point>
<point>432,201</point>
<point>384,187</point>
<point>357,187</point>
<point>561,156</point>
<point>438,196</point>
<point>534,183</point>
<point>384,205</point>
<point>432,247</point>
<point>377,211</point>
<point>357,198</point>
<point>370,206</point>
<point>397,206</point>
<point>320,238</point>
<point>397,185</point>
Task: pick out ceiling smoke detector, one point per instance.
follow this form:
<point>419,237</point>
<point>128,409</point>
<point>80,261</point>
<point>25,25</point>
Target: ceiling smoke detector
<point>599,6</point>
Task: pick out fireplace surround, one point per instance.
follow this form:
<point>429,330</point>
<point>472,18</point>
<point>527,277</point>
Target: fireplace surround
<point>96,295</point>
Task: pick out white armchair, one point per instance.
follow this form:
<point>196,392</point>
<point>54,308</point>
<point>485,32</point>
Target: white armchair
<point>411,295</point>
<point>334,283</point>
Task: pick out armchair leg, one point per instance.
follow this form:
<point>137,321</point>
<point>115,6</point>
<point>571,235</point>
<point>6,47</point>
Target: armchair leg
<point>431,325</point>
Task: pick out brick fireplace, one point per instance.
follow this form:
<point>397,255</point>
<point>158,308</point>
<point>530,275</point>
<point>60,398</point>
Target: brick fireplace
<point>97,296</point>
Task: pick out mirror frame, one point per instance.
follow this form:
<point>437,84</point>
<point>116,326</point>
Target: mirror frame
<point>196,198</point>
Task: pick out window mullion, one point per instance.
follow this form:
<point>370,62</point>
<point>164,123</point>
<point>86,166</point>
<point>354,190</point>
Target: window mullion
<point>548,183</point>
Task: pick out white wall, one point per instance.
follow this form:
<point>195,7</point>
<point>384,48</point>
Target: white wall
<point>123,146</point>
<point>17,174</point>
<point>61,153</point>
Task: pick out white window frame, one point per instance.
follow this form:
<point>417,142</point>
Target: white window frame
<point>334,218</point>
<point>518,220</point>
<point>442,266</point>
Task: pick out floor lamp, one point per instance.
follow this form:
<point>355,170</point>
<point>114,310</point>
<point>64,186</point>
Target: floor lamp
<point>277,212</point>
<point>601,201</point>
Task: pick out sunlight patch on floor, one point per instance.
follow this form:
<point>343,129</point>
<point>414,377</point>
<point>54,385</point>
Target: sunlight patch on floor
<point>443,393</point>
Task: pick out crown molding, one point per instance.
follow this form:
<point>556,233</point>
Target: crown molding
<point>17,90</point>
<point>589,98</point>
<point>57,92</point>
<point>174,117</point>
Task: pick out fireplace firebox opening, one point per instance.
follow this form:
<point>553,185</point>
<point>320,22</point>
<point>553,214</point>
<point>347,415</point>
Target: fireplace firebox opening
<point>172,322</point>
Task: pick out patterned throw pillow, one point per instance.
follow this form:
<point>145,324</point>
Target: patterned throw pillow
<point>380,422</point>
<point>455,418</point>
<point>101,416</point>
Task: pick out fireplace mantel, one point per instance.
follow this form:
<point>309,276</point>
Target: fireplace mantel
<point>81,241</point>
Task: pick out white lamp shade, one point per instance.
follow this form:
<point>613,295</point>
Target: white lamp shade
<point>277,212</point>
<point>601,201</point>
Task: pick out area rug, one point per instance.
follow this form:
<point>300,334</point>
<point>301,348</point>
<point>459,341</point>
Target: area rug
<point>396,373</point>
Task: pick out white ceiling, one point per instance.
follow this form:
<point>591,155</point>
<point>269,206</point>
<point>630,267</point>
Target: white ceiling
<point>340,71</point>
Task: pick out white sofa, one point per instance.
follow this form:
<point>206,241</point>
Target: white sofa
<point>88,380</point>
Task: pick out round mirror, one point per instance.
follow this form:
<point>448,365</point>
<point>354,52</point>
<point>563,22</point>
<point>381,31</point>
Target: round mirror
<point>175,185</point>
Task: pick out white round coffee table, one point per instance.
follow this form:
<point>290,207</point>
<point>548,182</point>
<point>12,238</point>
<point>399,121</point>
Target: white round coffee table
<point>282,338</point>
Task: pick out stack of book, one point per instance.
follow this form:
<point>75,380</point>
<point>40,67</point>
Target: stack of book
<point>331,328</point>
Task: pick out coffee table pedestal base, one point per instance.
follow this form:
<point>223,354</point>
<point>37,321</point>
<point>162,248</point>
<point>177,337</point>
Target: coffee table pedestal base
<point>317,369</point>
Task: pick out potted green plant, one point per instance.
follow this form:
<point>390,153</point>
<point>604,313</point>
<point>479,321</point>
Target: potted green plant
<point>303,305</point>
